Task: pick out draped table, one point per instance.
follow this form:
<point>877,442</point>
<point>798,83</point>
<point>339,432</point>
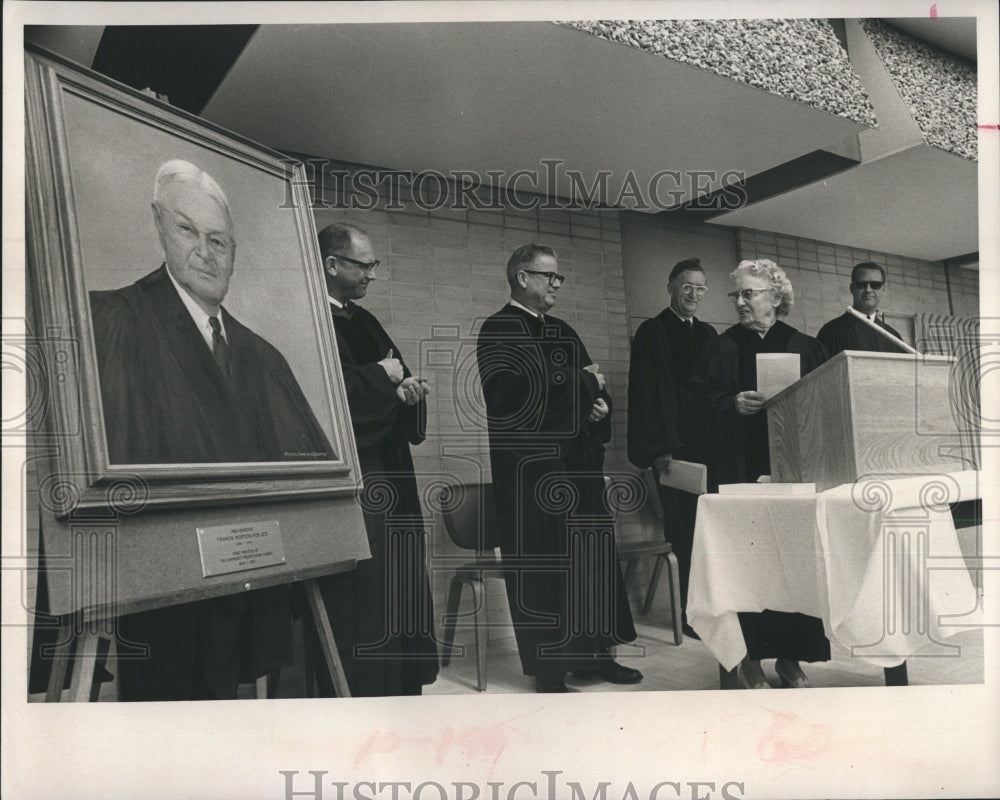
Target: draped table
<point>877,560</point>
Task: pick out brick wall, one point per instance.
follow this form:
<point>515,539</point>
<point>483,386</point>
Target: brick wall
<point>443,272</point>
<point>820,273</point>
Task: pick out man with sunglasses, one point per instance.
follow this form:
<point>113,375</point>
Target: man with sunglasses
<point>847,332</point>
<point>548,415</point>
<point>381,612</point>
<point>663,352</point>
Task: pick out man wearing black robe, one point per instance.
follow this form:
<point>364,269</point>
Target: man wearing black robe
<point>663,351</point>
<point>170,396</point>
<point>548,418</point>
<point>847,332</point>
<point>381,613</point>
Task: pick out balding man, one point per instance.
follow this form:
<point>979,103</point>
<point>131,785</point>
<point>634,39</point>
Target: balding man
<point>548,415</point>
<point>183,381</point>
<point>381,613</point>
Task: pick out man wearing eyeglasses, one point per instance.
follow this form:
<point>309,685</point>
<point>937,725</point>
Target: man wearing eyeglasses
<point>548,415</point>
<point>183,381</point>
<point>663,351</point>
<point>847,332</point>
<point>381,612</point>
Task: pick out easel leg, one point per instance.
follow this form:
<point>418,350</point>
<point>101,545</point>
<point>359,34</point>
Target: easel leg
<point>91,654</point>
<point>60,663</point>
<point>325,634</point>
<point>81,687</point>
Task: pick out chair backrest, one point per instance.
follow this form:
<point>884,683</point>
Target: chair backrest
<point>470,516</point>
<point>651,508</point>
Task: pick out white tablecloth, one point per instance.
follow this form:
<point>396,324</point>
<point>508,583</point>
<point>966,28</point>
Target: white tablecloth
<point>878,561</point>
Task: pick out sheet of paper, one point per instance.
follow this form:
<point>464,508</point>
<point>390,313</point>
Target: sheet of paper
<point>775,371</point>
<point>686,476</point>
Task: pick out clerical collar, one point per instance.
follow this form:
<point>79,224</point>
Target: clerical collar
<point>685,320</point>
<point>514,302</point>
<point>198,313</point>
<point>334,302</point>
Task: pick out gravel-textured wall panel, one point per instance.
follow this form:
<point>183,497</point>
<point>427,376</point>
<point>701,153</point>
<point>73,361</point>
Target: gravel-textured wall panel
<point>938,88</point>
<point>800,59</point>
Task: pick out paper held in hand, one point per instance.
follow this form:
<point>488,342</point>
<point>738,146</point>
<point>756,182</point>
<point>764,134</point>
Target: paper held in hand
<point>686,476</point>
<point>777,371</point>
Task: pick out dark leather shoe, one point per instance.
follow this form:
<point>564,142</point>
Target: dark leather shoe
<point>550,685</point>
<point>612,672</point>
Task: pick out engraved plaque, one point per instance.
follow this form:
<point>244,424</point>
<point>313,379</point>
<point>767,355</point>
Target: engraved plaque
<point>234,548</point>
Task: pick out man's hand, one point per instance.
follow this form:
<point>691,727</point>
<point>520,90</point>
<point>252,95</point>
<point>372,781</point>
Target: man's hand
<point>748,403</point>
<point>393,367</point>
<point>599,410</point>
<point>593,369</point>
<point>412,390</point>
<point>662,463</point>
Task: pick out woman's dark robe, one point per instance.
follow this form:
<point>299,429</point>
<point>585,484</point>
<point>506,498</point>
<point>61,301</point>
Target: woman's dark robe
<point>735,449</point>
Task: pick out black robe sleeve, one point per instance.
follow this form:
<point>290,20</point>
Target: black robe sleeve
<point>538,386</point>
<point>377,413</point>
<point>652,410</point>
<point>708,409</point>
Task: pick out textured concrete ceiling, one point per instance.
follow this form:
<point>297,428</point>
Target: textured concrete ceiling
<point>506,96</point>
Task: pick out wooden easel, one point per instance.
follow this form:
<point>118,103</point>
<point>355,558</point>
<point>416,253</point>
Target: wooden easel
<point>102,566</point>
<point>92,649</point>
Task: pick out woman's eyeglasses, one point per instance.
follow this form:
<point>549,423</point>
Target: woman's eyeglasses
<point>746,294</point>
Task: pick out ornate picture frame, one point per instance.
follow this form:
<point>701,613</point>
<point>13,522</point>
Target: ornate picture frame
<point>92,150</point>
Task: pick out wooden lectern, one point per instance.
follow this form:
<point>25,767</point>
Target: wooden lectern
<point>865,413</point>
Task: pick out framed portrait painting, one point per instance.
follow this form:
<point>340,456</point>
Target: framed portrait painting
<point>175,277</point>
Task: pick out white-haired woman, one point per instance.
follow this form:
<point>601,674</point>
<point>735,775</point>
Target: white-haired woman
<point>724,408</point>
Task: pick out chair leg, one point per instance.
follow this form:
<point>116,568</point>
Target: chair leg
<point>630,569</point>
<point>674,578</point>
<point>451,618</point>
<point>653,582</point>
<point>479,598</point>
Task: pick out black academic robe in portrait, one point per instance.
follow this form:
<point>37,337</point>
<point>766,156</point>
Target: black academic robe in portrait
<point>564,583</point>
<point>381,613</point>
<point>847,332</point>
<point>166,401</point>
<point>735,449</point>
<point>663,351</point>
